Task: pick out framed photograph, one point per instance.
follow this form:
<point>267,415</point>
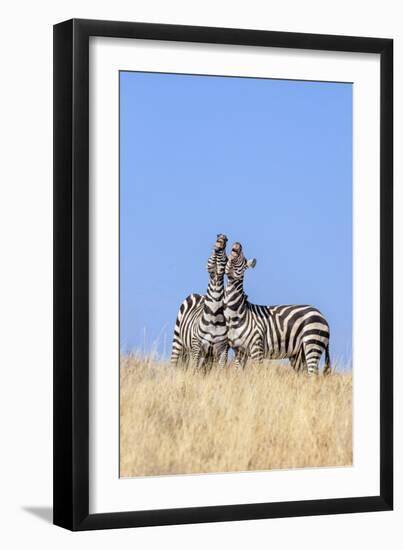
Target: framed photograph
<point>223,236</point>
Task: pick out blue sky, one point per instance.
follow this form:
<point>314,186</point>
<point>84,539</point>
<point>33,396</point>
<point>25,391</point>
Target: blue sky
<point>267,162</point>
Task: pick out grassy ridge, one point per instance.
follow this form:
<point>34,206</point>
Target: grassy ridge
<point>175,421</point>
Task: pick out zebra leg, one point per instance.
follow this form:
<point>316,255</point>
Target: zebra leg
<point>185,359</point>
<point>177,351</point>
<point>257,352</point>
<point>240,359</point>
<point>297,361</point>
<point>222,358</point>
<point>196,355</point>
<point>312,358</point>
<point>195,359</point>
<point>327,369</point>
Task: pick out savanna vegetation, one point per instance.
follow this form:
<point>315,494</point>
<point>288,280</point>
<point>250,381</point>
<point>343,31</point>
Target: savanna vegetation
<point>178,421</point>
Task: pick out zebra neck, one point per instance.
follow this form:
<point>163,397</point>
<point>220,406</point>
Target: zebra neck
<point>235,298</point>
<point>215,292</point>
<point>215,289</point>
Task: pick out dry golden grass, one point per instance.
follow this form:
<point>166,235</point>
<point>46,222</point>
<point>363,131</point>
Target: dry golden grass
<point>175,421</point>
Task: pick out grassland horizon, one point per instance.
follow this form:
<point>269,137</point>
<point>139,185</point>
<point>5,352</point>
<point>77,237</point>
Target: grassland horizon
<point>184,421</point>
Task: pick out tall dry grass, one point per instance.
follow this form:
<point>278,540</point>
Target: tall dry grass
<point>175,421</point>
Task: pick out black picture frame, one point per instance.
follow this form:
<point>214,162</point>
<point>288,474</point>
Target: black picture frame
<point>71,274</point>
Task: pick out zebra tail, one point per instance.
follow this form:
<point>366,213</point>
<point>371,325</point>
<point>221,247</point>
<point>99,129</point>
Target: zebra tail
<point>328,367</point>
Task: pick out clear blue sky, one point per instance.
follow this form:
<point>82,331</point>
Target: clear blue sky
<point>267,162</point>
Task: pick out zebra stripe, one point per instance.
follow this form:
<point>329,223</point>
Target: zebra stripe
<point>299,333</point>
<point>200,334</point>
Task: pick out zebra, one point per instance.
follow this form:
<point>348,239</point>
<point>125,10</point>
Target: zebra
<point>299,333</point>
<point>200,333</point>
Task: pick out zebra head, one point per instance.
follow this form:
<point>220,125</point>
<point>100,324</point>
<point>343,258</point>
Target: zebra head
<point>221,242</point>
<point>237,264</point>
<point>218,259</point>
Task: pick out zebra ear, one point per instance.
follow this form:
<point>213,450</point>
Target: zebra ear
<point>251,263</point>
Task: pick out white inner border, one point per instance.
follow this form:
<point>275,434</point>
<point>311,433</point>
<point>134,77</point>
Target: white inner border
<point>108,493</point>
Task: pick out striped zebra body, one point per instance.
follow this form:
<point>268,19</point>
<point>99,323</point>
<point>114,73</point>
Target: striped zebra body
<point>187,320</point>
<point>200,334</point>
<point>299,333</point>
